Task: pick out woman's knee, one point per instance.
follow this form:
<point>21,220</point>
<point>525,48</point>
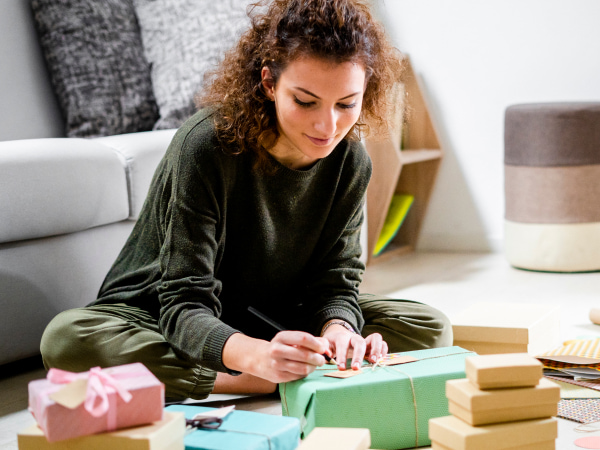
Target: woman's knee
<point>444,336</point>
<point>59,340</point>
<point>405,324</point>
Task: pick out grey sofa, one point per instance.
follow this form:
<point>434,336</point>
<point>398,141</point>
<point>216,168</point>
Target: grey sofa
<point>66,208</point>
<point>66,205</point>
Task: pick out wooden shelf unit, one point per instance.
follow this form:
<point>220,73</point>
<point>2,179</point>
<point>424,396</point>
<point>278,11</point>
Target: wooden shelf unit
<point>410,170</point>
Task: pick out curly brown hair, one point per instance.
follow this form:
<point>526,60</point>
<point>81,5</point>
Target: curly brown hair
<point>282,31</point>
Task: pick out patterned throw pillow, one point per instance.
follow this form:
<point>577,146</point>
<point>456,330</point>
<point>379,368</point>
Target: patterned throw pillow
<point>183,39</point>
<point>100,75</point>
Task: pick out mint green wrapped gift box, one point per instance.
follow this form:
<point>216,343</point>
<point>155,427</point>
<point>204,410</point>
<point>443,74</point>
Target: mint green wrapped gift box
<point>394,402</point>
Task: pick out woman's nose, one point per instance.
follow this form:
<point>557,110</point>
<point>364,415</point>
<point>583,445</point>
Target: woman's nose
<point>326,123</point>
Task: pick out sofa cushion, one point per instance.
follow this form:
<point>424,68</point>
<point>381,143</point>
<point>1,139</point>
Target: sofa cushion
<point>182,40</point>
<point>97,66</point>
<point>142,152</point>
<point>55,186</point>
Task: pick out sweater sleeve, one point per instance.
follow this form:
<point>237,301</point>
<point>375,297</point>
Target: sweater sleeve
<point>333,289</point>
<point>190,219</point>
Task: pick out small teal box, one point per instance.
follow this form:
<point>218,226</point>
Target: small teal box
<point>242,430</point>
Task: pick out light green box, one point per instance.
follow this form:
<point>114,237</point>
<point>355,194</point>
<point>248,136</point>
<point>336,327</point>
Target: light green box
<point>394,402</point>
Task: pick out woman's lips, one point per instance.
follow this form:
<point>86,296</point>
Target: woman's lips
<point>320,142</point>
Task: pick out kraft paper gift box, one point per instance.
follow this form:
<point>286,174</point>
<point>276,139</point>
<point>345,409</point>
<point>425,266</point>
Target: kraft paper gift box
<point>478,407</point>
<point>242,430</point>
<point>393,402</point>
<point>490,328</point>
<point>166,434</point>
<point>68,405</point>
<point>337,439</point>
<point>503,371</point>
<point>452,433</point>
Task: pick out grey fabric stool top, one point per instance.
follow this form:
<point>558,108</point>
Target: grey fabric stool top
<point>552,186</point>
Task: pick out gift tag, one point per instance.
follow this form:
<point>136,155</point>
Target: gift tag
<point>393,359</point>
<point>343,373</point>
<point>72,395</point>
<point>220,413</point>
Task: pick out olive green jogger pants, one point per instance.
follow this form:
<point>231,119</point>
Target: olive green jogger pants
<point>111,335</point>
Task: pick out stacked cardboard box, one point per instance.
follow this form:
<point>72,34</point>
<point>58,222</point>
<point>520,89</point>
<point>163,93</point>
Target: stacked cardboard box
<point>504,403</point>
<point>491,328</point>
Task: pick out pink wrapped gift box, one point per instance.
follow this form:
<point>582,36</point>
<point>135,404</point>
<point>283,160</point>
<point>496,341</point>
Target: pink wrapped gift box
<point>67,405</point>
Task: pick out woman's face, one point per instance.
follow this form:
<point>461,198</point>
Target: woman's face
<point>317,102</point>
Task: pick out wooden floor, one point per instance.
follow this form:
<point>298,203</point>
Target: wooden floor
<point>447,281</point>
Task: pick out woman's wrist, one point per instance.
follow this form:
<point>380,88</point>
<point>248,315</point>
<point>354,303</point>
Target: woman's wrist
<point>335,323</point>
<point>239,352</point>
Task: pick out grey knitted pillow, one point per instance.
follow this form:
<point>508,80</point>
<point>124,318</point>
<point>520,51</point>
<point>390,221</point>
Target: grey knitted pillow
<point>94,54</point>
<point>183,39</point>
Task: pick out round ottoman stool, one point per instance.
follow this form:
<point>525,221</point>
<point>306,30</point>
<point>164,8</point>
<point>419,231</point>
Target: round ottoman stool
<point>552,186</point>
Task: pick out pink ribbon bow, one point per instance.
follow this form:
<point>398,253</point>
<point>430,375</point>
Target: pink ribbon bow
<point>99,385</point>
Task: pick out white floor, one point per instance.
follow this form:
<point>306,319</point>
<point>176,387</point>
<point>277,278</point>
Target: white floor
<point>448,281</point>
<point>452,282</point>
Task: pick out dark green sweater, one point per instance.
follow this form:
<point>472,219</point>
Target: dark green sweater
<point>216,236</point>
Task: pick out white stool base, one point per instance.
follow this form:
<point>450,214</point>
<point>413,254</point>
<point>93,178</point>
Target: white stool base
<point>553,247</point>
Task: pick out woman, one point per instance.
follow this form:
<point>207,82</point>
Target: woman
<point>258,205</point>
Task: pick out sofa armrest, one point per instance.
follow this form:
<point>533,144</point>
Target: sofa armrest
<point>57,186</point>
<point>141,152</point>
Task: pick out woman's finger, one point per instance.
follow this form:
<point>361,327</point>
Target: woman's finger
<point>283,352</point>
<point>374,347</point>
<point>301,339</point>
<point>341,350</point>
<point>294,367</point>
<point>359,347</point>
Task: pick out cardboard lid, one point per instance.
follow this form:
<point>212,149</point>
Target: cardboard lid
<point>503,370</point>
<point>511,323</point>
<point>467,395</point>
<point>456,434</point>
<point>324,438</point>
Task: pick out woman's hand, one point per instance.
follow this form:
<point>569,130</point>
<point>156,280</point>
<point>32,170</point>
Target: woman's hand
<point>343,343</point>
<point>289,356</point>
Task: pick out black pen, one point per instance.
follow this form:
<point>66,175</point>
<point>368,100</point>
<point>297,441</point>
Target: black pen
<point>279,327</point>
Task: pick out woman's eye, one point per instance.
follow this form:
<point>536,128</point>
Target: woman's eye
<point>303,104</point>
<point>346,106</point>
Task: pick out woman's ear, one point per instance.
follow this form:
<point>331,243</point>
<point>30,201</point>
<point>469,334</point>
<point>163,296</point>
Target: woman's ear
<point>267,83</point>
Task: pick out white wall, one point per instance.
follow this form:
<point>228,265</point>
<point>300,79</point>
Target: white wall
<point>477,57</point>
